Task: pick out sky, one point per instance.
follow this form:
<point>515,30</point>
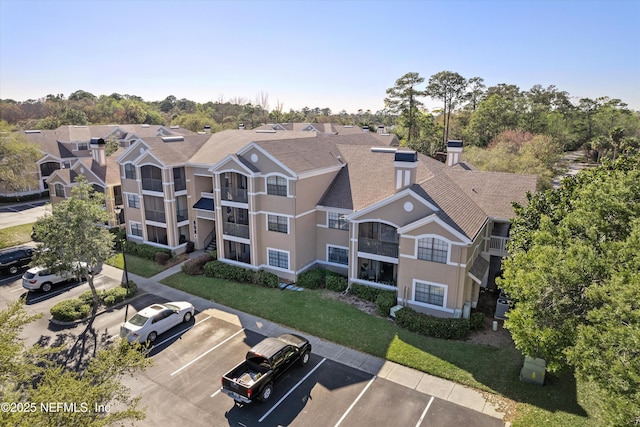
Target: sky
<point>341,55</point>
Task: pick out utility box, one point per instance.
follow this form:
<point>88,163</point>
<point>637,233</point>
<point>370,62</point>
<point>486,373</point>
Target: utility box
<point>533,370</point>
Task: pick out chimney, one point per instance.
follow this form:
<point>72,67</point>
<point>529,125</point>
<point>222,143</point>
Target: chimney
<point>207,129</point>
<point>97,146</point>
<point>365,128</point>
<point>380,130</point>
<point>241,126</point>
<point>405,162</point>
<point>454,152</point>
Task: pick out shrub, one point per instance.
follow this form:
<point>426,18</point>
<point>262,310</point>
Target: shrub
<point>190,247</point>
<point>384,301</point>
<point>476,322</point>
<point>114,296</point>
<point>195,266</point>
<point>225,271</point>
<point>162,258</point>
<point>264,278</point>
<point>364,292</point>
<point>70,310</point>
<point>145,251</point>
<point>311,279</point>
<point>336,283</point>
<point>432,326</point>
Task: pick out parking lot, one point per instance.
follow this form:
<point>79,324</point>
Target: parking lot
<point>183,385</point>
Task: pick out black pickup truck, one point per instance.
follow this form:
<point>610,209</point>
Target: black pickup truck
<point>265,363</point>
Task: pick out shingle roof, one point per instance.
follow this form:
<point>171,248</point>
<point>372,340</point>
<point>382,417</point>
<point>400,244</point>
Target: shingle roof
<point>304,154</point>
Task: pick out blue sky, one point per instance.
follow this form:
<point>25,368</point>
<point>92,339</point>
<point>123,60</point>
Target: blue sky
<point>335,54</point>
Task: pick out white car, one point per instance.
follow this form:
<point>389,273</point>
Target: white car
<point>156,319</point>
<point>43,279</point>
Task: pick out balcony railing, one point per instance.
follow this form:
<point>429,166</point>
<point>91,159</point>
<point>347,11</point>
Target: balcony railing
<point>378,247</point>
<point>157,216</point>
<point>233,229</point>
<point>498,245</point>
<point>235,194</point>
<point>151,184</point>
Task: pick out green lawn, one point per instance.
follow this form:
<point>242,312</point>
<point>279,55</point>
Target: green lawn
<point>136,265</point>
<point>559,403</point>
<point>16,235</point>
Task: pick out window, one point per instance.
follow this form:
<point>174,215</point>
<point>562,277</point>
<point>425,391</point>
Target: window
<point>430,294</point>
<point>59,190</point>
<point>432,249</point>
<point>154,208</point>
<point>151,178</point>
<point>179,179</point>
<point>129,171</point>
<point>338,255</point>
<point>278,259</point>
<point>278,223</point>
<point>338,221</point>
<point>83,146</point>
<point>133,201</point>
<point>277,186</point>
<point>136,229</point>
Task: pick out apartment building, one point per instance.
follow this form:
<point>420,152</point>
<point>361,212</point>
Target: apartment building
<point>285,198</point>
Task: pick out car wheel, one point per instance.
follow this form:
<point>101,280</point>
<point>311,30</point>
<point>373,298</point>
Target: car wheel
<point>46,287</point>
<point>266,392</point>
<point>187,316</point>
<point>305,358</point>
<point>152,336</point>
<point>13,269</point>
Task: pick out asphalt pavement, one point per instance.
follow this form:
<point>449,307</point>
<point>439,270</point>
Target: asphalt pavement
<point>402,375</point>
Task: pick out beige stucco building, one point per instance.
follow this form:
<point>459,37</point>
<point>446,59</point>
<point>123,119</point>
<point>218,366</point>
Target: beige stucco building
<point>285,198</point>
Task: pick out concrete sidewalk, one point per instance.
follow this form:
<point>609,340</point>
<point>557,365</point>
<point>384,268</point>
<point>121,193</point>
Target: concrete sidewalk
<point>425,383</point>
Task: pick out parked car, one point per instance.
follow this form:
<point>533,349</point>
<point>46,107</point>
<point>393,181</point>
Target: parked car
<point>254,377</point>
<point>44,279</point>
<point>12,260</point>
<point>151,321</point>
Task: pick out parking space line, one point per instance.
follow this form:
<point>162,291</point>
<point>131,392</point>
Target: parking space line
<point>425,412</point>
<point>206,352</point>
<point>216,392</point>
<point>196,324</point>
<point>355,401</point>
<point>291,390</point>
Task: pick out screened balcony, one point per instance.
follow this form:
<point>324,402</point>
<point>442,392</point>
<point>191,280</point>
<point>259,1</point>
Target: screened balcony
<point>378,239</point>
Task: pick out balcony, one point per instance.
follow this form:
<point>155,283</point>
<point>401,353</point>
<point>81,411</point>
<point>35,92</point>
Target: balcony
<point>378,247</point>
<point>498,246</point>
<point>157,216</point>
<point>234,194</point>
<point>151,184</point>
<point>237,230</point>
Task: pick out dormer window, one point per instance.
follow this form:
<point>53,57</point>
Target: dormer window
<point>83,146</point>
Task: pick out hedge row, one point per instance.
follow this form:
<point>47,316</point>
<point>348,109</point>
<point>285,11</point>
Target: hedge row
<point>318,278</point>
<point>438,327</point>
<point>221,270</point>
<point>383,298</point>
<point>147,251</point>
<point>78,308</point>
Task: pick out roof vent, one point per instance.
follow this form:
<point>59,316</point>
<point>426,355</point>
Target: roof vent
<point>265,131</point>
<point>172,138</point>
<point>32,131</point>
<point>406,156</point>
<point>175,127</point>
<point>383,150</point>
<point>145,125</point>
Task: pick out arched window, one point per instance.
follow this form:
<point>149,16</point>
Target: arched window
<point>276,185</point>
<point>59,190</point>
<point>433,249</point>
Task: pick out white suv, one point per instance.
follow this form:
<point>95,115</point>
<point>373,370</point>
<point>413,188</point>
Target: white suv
<point>41,278</point>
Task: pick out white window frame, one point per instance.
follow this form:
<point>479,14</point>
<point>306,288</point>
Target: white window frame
<point>136,199</point>
<point>124,170</point>
<point>136,225</point>
<point>338,220</point>
<point>278,217</point>
<point>277,267</point>
<point>426,304</point>
<point>329,247</point>
<point>276,176</point>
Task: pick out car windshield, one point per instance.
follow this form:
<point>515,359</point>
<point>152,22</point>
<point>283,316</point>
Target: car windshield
<point>172,307</point>
<point>138,320</point>
<point>29,275</point>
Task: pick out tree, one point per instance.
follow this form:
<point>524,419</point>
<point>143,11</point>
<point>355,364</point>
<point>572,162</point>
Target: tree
<point>35,376</point>
<point>476,91</point>
<point>403,99</point>
<point>450,88</point>
<point>17,160</point>
<point>573,273</point>
<point>72,236</point>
